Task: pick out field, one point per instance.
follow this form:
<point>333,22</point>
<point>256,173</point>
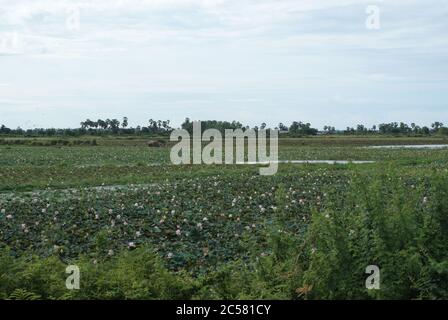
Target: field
<point>139,227</point>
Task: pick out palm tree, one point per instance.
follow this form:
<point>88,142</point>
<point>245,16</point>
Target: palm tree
<point>124,124</point>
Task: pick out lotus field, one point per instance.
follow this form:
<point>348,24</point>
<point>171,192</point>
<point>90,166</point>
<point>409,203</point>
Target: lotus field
<point>139,227</point>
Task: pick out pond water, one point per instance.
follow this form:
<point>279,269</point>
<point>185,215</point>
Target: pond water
<point>411,146</point>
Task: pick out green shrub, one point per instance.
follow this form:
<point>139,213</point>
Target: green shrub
<point>391,223</point>
<point>137,274</point>
<point>20,294</point>
<point>37,277</point>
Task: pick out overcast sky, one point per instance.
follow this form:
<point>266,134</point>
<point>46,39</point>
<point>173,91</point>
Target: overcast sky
<point>249,60</point>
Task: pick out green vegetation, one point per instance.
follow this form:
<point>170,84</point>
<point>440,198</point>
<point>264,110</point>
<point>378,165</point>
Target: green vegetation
<point>140,228</point>
<point>163,128</point>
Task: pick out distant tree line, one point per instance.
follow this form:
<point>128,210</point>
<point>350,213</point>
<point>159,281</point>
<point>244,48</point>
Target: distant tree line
<point>114,126</point>
<point>395,128</point>
<point>96,128</point>
<point>163,128</point>
<point>213,124</point>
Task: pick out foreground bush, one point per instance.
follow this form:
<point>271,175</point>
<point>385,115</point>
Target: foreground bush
<point>400,226</point>
<point>139,274</point>
<point>135,274</point>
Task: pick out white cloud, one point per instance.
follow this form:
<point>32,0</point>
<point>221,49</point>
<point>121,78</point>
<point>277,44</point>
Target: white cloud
<point>199,55</point>
<point>42,28</point>
<point>117,25</point>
